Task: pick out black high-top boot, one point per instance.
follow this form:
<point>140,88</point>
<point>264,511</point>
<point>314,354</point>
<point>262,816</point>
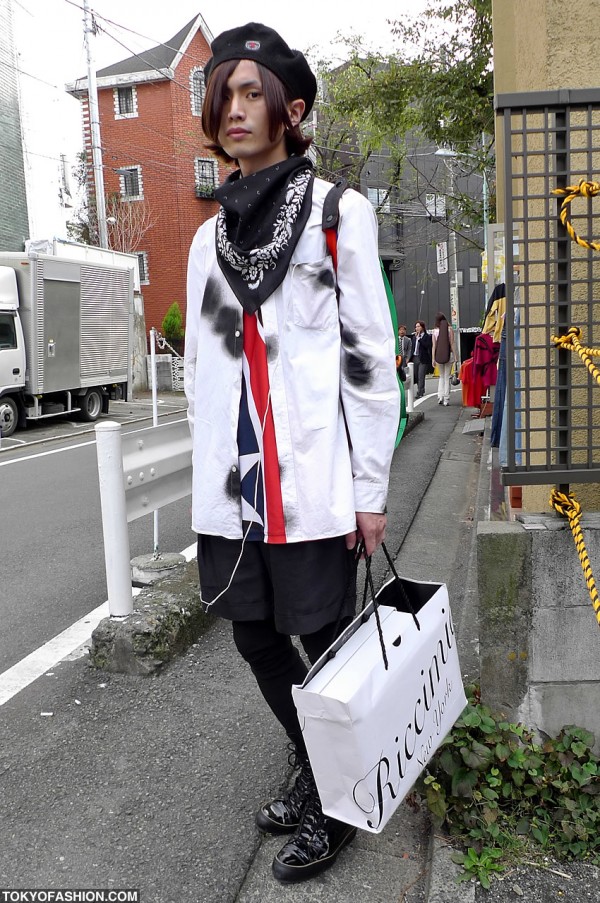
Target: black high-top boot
<point>315,845</point>
<point>282,815</point>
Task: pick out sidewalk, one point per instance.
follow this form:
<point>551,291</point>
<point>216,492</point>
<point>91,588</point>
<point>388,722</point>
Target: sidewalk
<point>111,780</point>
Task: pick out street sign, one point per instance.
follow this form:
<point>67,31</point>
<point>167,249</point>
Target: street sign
<point>442,257</point>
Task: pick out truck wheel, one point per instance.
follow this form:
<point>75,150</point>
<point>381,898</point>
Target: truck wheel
<point>91,405</point>
<point>9,416</point>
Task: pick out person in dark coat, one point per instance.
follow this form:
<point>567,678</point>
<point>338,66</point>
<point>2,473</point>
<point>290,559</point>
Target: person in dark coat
<point>421,355</point>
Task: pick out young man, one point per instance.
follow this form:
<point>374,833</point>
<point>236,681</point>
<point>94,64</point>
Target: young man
<point>404,351</point>
<point>293,400</point>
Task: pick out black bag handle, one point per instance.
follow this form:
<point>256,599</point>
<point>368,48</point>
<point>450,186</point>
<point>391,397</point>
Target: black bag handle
<point>369,581</point>
<point>369,585</point>
<point>403,592</point>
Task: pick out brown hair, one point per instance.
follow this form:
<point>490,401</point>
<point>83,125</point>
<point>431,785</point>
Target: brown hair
<point>422,325</point>
<point>277,98</point>
<point>438,319</point>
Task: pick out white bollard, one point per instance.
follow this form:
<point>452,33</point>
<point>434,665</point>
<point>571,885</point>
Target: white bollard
<point>114,519</point>
<point>410,388</point>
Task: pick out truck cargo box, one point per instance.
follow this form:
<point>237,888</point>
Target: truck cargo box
<point>77,322</point>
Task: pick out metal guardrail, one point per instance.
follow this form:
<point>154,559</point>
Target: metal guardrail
<point>138,472</point>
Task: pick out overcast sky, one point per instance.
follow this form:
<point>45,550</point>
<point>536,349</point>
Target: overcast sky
<point>51,53</point>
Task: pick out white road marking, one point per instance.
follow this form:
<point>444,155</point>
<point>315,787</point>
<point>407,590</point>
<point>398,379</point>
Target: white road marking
<point>53,451</point>
<point>66,448</point>
<point>61,647</point>
<point>47,656</point>
<point>190,552</point>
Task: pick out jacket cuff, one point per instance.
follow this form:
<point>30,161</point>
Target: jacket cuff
<point>370,496</point>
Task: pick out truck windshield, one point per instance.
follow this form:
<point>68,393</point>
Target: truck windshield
<point>8,336</point>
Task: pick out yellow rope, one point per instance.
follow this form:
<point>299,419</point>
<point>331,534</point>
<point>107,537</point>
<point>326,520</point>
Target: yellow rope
<point>583,189</point>
<point>566,504</point>
<point>569,507</point>
<point>570,342</point>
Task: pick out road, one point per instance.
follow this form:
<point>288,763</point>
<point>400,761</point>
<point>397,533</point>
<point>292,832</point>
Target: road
<point>52,562</point>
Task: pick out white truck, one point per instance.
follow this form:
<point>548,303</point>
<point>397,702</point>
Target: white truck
<point>65,337</point>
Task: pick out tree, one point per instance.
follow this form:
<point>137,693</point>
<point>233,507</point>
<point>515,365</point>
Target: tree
<point>363,110</point>
<point>172,324</point>
<point>451,70</point>
<point>79,228</point>
<point>127,221</point>
<point>438,92</point>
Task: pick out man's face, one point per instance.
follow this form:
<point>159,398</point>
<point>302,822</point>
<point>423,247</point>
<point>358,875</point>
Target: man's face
<point>244,129</point>
<point>402,332</point>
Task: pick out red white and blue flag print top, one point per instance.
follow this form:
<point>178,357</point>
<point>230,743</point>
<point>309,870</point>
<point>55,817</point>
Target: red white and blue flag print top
<point>262,505</point>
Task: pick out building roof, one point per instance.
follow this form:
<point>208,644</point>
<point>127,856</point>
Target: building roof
<point>160,57</point>
<point>154,64</point>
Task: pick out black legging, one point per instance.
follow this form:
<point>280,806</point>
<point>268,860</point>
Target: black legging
<point>277,665</point>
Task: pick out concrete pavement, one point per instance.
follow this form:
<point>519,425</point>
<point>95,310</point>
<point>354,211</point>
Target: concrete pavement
<point>119,781</point>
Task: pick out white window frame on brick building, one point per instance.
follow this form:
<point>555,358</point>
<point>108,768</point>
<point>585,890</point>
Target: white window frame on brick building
<point>197,90</point>
<point>125,174</point>
<point>125,101</point>
<point>206,174</point>
<point>142,257</point>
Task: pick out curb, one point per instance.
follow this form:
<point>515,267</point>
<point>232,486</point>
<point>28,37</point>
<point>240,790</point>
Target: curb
<point>412,421</point>
<point>167,619</point>
<point>442,885</point>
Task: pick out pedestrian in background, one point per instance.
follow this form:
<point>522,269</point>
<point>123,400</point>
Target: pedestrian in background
<point>421,355</point>
<point>443,355</point>
<point>293,402</point>
<point>404,351</point>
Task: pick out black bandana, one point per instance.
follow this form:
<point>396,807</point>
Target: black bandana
<point>258,226</point>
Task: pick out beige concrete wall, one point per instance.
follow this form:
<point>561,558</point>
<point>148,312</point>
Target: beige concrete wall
<point>538,632</point>
<point>544,45</point>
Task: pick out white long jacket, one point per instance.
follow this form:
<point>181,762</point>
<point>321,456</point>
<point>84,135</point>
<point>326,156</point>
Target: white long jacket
<point>334,391</point>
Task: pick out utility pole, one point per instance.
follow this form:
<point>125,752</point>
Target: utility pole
<point>454,299</point>
<point>450,154</point>
<point>88,29</point>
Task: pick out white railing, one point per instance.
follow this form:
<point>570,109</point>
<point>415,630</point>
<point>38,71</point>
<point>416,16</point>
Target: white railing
<point>139,473</point>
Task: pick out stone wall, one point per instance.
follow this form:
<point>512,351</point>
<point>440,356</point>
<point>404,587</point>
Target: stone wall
<point>539,637</point>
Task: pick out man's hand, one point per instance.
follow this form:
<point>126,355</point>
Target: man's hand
<point>370,529</point>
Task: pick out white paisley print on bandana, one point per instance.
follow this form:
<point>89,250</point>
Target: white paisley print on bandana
<point>253,264</point>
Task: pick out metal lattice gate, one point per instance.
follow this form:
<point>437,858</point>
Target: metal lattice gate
<point>551,140</point>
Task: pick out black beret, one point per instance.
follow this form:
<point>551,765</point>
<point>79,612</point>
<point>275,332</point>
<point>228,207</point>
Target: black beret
<point>263,45</point>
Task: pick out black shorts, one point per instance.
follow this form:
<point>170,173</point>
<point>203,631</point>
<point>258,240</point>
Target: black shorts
<point>302,585</point>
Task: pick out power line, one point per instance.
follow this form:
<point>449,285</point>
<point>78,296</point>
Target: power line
<point>30,75</point>
<point>140,56</point>
<point>136,33</point>
<point>31,153</point>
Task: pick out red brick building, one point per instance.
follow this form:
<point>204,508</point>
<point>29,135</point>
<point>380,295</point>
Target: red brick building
<point>154,157</point>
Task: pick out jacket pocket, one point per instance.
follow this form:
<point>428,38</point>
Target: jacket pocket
<point>314,302</point>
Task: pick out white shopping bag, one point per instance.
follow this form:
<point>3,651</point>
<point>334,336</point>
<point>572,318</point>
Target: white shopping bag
<point>370,731</point>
